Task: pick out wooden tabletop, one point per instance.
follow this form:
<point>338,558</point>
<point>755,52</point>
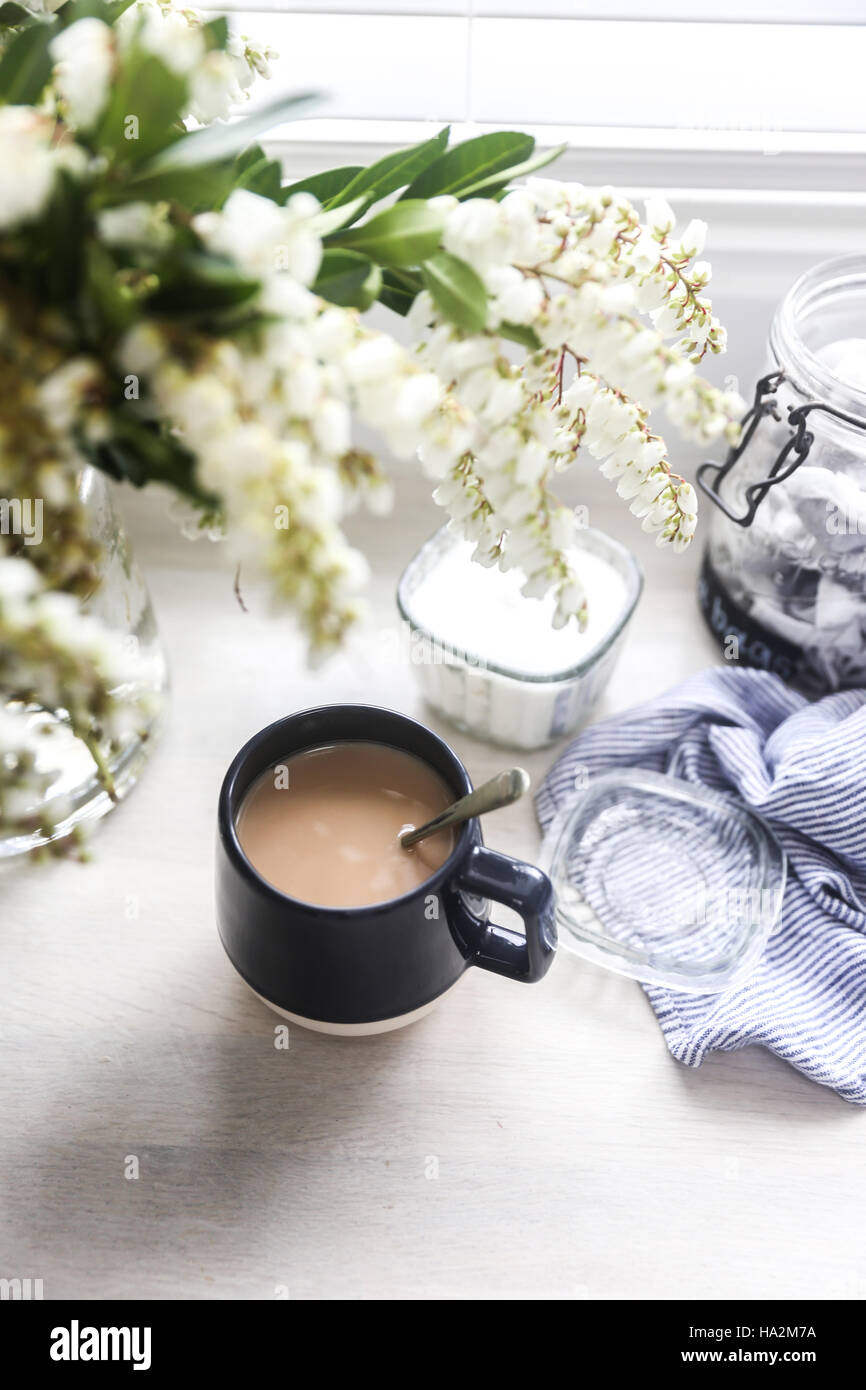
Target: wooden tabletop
<point>528,1141</point>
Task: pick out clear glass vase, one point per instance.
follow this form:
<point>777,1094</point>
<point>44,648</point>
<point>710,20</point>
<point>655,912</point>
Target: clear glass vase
<point>784,579</point>
<point>81,784</point>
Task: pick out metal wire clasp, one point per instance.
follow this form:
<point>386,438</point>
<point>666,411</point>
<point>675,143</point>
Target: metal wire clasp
<point>793,452</point>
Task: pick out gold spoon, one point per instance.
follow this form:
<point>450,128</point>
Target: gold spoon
<point>501,790</point>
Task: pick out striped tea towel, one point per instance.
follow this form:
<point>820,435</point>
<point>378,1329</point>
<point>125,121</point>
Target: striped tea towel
<point>803,767</point>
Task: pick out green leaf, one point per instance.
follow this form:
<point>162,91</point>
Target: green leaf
<point>56,243</point>
<point>26,66</point>
<point>196,283</point>
<point>12,15</point>
<point>345,277</point>
<point>109,11</point>
<point>405,234</point>
<point>224,141</point>
<point>139,453</point>
<point>332,219</point>
<point>457,290</point>
<point>494,183</point>
<point>216,32</point>
<point>144,106</point>
<point>399,291</point>
<point>197,190</point>
<point>324,186</point>
<point>254,171</point>
<point>521,333</point>
<point>395,170</point>
<point>115,309</point>
<point>471,161</point>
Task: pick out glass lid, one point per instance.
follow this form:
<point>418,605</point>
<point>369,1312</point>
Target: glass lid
<point>663,880</point>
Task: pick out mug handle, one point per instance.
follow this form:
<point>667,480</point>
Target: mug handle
<point>529,892</point>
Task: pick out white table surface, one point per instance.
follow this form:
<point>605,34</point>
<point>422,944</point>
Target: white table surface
<point>575,1158</point>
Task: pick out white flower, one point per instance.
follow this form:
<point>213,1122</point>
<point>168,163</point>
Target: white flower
<point>332,334</point>
<point>332,427</point>
<point>173,36</point>
<point>60,395</point>
<point>659,216</point>
<point>517,298</point>
<point>417,398</point>
<point>505,400</point>
<point>213,88</point>
<point>578,395</point>
<point>84,58</point>
<point>132,224</point>
<point>28,164</point>
<point>18,579</point>
<point>570,603</point>
<point>319,501</point>
<point>694,238</point>
<point>200,405</point>
<point>352,569</point>
<point>687,499</point>
<point>532,462</point>
<point>477,232</point>
<point>143,348</point>
<point>246,451</point>
<point>376,359</point>
<point>263,238</point>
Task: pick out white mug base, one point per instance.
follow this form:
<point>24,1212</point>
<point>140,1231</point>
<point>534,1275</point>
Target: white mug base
<point>356,1030</point>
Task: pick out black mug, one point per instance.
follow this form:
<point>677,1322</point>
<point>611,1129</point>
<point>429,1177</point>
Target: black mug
<point>354,970</point>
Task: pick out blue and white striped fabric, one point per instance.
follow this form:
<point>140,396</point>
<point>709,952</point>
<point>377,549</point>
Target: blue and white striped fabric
<point>803,767</point>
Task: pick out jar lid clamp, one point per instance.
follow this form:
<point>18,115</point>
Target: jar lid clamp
<point>794,451</point>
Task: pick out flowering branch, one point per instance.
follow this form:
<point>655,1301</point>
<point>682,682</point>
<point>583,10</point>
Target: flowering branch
<point>172,311</point>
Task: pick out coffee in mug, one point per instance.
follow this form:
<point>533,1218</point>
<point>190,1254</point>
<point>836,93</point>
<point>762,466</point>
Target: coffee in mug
<point>376,964</point>
<point>324,825</point>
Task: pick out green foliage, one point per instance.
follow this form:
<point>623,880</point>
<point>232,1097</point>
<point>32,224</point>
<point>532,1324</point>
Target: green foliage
<point>375,248</point>
<point>471,162</point>
<point>325,186</point>
<point>332,219</point>
<point>142,115</point>
<point>348,278</point>
<point>226,140</point>
<point>139,452</point>
<point>107,10</point>
<point>12,15</point>
<point>49,255</point>
<point>457,290</point>
<point>521,333</point>
<point>193,283</point>
<point>403,235</point>
<point>107,306</point>
<point>495,183</point>
<point>253,170</point>
<point>408,246</point>
<point>399,290</point>
<point>216,32</point>
<point>25,66</point>
<point>394,171</point>
<point>193,190</point>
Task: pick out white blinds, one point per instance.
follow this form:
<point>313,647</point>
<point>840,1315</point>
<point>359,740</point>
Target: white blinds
<point>430,61</point>
<point>738,11</point>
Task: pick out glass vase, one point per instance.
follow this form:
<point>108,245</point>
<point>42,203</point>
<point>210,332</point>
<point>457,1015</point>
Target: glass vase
<point>81,782</point>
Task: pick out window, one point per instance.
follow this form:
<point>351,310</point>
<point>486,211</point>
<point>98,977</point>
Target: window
<point>748,112</point>
<point>760,72</point>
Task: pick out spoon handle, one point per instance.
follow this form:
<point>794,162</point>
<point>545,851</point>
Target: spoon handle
<point>501,790</point>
